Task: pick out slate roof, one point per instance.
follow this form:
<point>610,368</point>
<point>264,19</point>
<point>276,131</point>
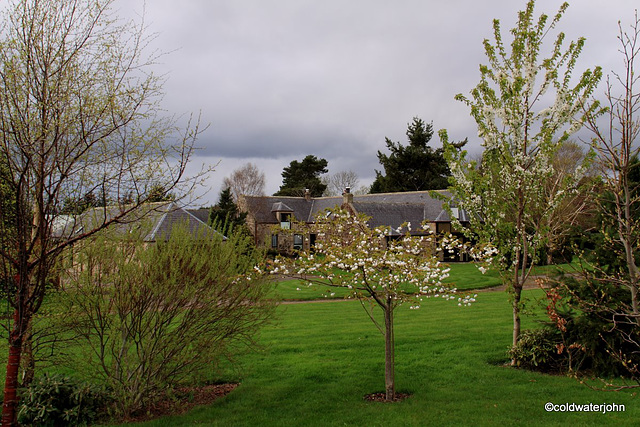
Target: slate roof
<point>158,220</point>
<point>385,209</point>
<point>201,213</point>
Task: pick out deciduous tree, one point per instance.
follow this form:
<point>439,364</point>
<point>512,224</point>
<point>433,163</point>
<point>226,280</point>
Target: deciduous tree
<point>378,271</point>
<point>337,182</point>
<point>247,180</point>
<point>79,113</point>
<point>526,106</point>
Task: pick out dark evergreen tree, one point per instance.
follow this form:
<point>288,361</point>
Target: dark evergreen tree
<point>225,216</point>
<point>73,206</point>
<point>414,167</point>
<point>299,176</point>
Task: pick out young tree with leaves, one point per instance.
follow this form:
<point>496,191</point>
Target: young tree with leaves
<point>79,113</point>
<point>526,106</point>
<point>378,271</point>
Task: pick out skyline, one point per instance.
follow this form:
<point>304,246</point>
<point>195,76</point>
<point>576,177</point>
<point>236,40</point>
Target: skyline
<point>276,81</point>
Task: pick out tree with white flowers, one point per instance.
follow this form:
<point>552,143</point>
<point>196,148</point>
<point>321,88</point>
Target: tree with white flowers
<point>379,270</point>
<point>526,106</point>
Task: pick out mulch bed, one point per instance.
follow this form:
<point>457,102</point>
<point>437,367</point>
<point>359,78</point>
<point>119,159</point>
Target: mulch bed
<point>189,397</point>
<point>381,397</point>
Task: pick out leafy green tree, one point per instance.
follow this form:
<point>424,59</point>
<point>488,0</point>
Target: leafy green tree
<point>525,107</point>
<point>225,216</point>
<point>300,176</point>
<point>414,167</point>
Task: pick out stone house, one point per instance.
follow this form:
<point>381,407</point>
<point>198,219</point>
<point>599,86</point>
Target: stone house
<point>268,214</point>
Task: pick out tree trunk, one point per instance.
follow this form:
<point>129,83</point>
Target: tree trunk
<point>517,293</point>
<point>28,360</point>
<point>10,403</point>
<point>389,353</point>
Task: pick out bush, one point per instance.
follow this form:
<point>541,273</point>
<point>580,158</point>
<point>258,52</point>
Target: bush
<point>537,349</point>
<point>154,316</point>
<point>54,400</point>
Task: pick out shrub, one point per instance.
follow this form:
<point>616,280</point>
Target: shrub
<point>156,315</point>
<point>537,349</point>
<point>54,400</point>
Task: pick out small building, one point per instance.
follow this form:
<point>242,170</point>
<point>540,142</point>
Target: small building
<point>155,220</point>
<point>267,214</point>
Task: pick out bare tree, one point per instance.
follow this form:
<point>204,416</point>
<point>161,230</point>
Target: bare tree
<point>79,113</point>
<point>337,182</point>
<point>247,180</point>
<point>616,144</point>
<point>560,218</point>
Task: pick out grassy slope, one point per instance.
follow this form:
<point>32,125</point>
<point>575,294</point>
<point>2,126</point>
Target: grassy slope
<point>320,359</point>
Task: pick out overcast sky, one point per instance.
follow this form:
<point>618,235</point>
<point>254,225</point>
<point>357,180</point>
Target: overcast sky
<point>277,80</point>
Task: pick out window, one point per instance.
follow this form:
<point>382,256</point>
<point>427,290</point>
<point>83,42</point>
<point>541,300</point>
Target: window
<point>285,221</point>
<point>274,241</point>
<point>297,242</point>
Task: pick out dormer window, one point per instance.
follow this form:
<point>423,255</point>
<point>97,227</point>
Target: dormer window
<point>285,220</point>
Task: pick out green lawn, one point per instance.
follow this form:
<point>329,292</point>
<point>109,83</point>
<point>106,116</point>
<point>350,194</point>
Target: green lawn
<point>463,276</point>
<point>320,359</point>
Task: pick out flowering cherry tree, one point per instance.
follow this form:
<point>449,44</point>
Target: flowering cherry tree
<point>378,270</point>
<point>526,106</point>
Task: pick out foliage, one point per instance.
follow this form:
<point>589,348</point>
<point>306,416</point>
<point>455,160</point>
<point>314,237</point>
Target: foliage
<point>606,299</point>
<point>225,216</point>
<point>54,400</point>
<point>158,193</point>
<point>579,337</point>
<point>537,349</point>
<point>380,270</point>
<point>414,167</point>
<point>300,176</point>
<point>153,315</point>
<point>80,112</point>
<point>525,107</point>
<point>73,206</point>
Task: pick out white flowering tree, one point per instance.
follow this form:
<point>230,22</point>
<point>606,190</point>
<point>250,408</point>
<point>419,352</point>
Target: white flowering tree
<point>379,271</point>
<point>526,106</point>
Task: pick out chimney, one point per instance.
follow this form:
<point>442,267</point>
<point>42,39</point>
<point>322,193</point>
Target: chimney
<point>347,197</point>
<point>307,194</point>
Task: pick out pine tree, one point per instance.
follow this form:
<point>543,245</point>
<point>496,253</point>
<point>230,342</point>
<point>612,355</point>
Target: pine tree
<point>224,216</point>
<point>414,167</point>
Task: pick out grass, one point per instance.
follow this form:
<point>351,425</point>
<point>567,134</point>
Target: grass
<point>463,276</point>
<point>319,360</point>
